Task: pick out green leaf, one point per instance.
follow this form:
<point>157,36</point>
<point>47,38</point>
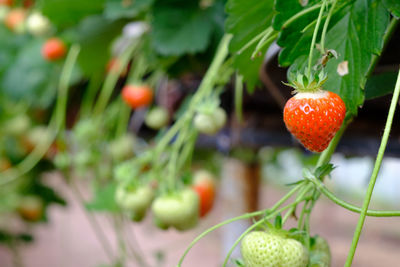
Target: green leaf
<point>380,85</point>
<point>181,27</point>
<point>31,78</point>
<point>357,35</point>
<point>247,19</point>
<point>324,170</point>
<point>117,9</point>
<point>65,13</point>
<point>293,41</point>
<point>95,35</point>
<point>104,199</point>
<point>393,6</point>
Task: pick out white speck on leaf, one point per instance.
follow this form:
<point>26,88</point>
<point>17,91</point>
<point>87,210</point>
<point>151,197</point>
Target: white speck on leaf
<point>343,68</point>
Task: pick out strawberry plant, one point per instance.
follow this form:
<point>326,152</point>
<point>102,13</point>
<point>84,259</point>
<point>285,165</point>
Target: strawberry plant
<point>78,102</point>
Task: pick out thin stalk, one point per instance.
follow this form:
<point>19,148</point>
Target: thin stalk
<point>314,38</point>
<point>375,172</point>
<point>254,40</point>
<point>56,124</point>
<point>326,24</point>
<point>111,80</point>
<point>117,223</point>
<point>244,216</point>
<point>90,95</point>
<point>123,119</point>
<point>239,97</point>
<point>101,237</point>
<point>205,86</point>
<point>254,226</point>
<point>373,213</point>
<point>300,14</point>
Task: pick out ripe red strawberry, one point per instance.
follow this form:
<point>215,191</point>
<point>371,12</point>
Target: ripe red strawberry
<point>314,116</point>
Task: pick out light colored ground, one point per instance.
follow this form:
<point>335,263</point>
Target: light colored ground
<point>68,240</point>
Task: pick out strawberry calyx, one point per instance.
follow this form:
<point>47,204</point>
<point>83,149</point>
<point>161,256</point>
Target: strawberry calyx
<point>307,83</point>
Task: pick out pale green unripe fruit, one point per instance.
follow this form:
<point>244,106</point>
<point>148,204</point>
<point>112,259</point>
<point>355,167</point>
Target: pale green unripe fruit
<point>263,249</point>
<point>134,202</point>
<point>38,25</point>
<point>157,118</point>
<point>179,210</point>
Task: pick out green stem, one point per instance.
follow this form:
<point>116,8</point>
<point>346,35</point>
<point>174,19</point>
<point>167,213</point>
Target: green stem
<point>373,213</point>
<point>300,197</point>
<point>120,239</point>
<point>101,237</point>
<point>56,124</point>
<point>112,79</point>
<point>264,42</point>
<point>244,216</point>
<point>314,38</point>
<point>271,215</point>
<point>123,119</point>
<point>205,86</point>
<point>239,97</point>
<point>300,14</point>
<point>375,172</point>
<point>90,95</point>
<point>215,227</point>
<point>255,39</point>
<point>326,24</point>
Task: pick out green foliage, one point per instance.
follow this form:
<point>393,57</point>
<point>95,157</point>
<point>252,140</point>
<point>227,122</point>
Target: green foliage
<point>117,9</point>
<point>246,19</point>
<point>65,13</point>
<point>104,199</point>
<point>95,35</point>
<point>393,6</point>
<point>356,34</point>
<point>292,39</point>
<point>181,27</point>
<point>380,85</point>
<point>30,77</point>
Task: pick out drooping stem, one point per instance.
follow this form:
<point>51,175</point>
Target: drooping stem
<point>244,216</point>
<point>314,38</point>
<point>374,213</point>
<point>98,230</point>
<point>375,172</point>
<point>326,24</point>
<point>56,124</point>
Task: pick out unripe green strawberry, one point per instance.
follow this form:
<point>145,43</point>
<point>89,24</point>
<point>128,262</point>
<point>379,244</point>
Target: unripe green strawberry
<point>320,254</point>
<point>38,25</point>
<point>157,118</point>
<point>314,118</point>
<point>134,201</point>
<point>122,148</point>
<point>265,249</point>
<point>210,123</point>
<point>179,210</point>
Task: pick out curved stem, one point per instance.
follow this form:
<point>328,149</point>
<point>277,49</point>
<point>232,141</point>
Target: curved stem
<point>56,123</point>
<point>300,14</point>
<point>314,38</point>
<point>373,213</point>
<point>326,24</point>
<point>215,227</point>
<point>98,230</point>
<point>271,215</point>
<point>112,79</point>
<point>375,172</point>
<point>244,216</point>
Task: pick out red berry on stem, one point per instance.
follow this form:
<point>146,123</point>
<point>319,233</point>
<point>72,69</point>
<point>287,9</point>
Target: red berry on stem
<point>137,96</point>
<point>53,49</point>
<point>314,118</point>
